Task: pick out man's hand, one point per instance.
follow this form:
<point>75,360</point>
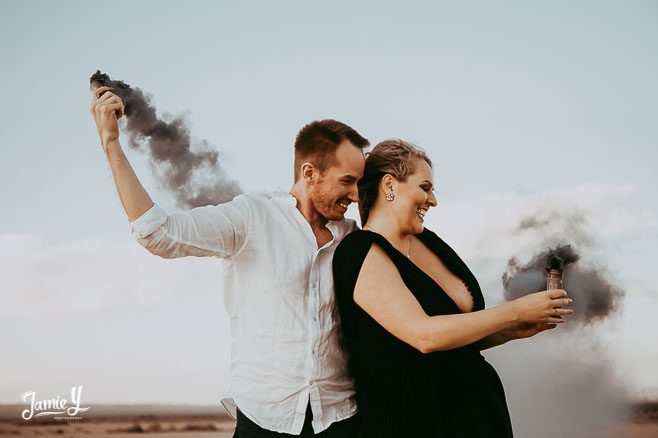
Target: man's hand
<point>106,108</point>
<point>525,330</point>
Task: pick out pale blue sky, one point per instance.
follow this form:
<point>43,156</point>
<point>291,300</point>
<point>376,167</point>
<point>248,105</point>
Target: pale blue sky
<point>495,92</point>
<point>517,97</point>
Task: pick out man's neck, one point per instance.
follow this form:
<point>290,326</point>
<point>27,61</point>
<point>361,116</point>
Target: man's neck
<point>317,222</point>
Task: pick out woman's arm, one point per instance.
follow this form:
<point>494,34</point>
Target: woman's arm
<point>518,332</point>
<point>380,291</point>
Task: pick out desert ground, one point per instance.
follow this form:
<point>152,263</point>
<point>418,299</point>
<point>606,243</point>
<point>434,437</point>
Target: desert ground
<point>122,421</point>
<point>128,421</point>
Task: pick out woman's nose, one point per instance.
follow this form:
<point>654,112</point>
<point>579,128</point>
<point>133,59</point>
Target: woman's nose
<point>431,200</point>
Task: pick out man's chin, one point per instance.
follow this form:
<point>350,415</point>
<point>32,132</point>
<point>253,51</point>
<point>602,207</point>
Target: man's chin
<point>335,216</point>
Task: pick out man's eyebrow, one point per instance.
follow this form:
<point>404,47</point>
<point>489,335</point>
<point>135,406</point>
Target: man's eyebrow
<point>428,182</point>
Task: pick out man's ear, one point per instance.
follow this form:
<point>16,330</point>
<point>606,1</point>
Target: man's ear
<point>309,172</point>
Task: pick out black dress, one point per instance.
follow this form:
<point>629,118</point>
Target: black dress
<point>401,392</point>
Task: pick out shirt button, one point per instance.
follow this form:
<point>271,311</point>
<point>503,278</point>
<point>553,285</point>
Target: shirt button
<point>315,318</point>
<point>314,285</point>
<point>312,351</point>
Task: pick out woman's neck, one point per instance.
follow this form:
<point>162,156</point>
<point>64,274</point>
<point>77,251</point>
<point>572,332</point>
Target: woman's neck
<point>388,227</point>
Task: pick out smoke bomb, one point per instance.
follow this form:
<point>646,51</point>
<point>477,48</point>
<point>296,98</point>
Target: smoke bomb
<point>594,297</point>
<point>554,279</point>
<point>193,176</point>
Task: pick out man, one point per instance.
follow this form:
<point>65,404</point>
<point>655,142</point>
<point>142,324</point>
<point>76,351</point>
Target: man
<point>288,373</point>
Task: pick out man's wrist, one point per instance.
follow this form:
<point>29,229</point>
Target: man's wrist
<point>111,145</point>
<point>504,336</point>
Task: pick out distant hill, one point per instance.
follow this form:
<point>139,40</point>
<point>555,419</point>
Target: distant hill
<point>646,412</point>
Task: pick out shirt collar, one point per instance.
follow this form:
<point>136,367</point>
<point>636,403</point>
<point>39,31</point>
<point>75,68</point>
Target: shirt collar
<point>282,196</point>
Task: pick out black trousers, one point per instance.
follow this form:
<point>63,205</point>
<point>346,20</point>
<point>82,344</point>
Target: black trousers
<point>245,428</point>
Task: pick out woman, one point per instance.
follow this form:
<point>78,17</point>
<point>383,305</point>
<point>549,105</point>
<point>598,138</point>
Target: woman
<point>412,313</point>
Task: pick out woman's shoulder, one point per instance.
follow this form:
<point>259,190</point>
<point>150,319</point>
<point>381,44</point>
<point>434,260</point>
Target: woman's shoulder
<point>348,259</point>
<point>353,242</point>
<point>359,237</point>
<point>360,240</point>
<point>354,248</point>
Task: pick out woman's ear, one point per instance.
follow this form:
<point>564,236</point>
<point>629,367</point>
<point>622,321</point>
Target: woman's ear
<point>388,183</point>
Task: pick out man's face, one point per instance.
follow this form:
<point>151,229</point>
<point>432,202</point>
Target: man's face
<point>335,188</point>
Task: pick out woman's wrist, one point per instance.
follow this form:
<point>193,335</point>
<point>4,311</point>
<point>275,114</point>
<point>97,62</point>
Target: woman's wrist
<point>513,313</point>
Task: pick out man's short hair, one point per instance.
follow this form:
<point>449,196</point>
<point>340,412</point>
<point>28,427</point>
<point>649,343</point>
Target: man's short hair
<point>316,143</point>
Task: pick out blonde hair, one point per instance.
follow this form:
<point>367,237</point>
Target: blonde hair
<point>395,157</point>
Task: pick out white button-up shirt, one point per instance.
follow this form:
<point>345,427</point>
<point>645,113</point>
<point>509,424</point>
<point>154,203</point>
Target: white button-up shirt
<point>279,295</point>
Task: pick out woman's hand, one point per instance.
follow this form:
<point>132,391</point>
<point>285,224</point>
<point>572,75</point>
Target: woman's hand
<point>540,308</point>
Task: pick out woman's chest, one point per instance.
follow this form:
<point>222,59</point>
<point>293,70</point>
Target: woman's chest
<point>452,285</point>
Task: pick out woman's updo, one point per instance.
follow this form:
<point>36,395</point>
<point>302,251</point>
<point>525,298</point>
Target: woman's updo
<point>395,157</point>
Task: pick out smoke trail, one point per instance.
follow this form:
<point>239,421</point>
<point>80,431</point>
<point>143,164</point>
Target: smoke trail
<point>595,297</point>
<point>193,178</point>
<point>563,382</point>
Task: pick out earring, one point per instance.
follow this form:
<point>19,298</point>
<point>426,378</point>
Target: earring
<point>390,196</point>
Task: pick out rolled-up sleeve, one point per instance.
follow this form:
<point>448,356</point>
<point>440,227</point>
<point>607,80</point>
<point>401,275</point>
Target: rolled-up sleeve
<point>212,231</point>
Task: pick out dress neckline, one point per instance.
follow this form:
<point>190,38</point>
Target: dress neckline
<point>425,274</point>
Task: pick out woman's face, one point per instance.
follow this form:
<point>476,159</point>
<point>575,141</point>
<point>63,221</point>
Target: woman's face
<point>414,197</point>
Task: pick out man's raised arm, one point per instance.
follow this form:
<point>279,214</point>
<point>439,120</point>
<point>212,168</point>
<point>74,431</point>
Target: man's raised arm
<point>107,108</point>
<point>218,231</point>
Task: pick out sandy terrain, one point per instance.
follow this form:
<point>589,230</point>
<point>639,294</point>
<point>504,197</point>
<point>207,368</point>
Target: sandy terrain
<point>224,430</point>
<point>122,421</point>
<point>160,429</point>
<point>198,422</point>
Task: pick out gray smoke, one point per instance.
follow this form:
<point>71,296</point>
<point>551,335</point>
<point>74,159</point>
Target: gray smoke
<point>594,296</point>
<point>193,177</point>
<point>562,382</point>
